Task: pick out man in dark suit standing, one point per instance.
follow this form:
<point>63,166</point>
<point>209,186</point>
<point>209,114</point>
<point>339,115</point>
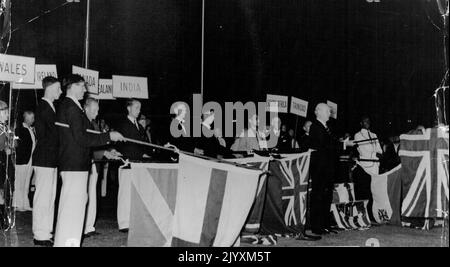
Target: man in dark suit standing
<point>25,146</point>
<point>75,144</point>
<point>45,158</point>
<point>130,128</point>
<point>322,170</point>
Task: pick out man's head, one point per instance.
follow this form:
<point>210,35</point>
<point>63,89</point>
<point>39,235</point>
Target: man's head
<point>75,86</point>
<point>322,112</point>
<point>91,108</point>
<point>52,88</point>
<point>4,112</point>
<point>133,108</point>
<point>307,126</point>
<point>365,122</point>
<point>283,128</point>
<point>28,117</point>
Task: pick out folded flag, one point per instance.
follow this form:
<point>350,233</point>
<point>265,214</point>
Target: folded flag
<point>213,202</point>
<point>351,216</point>
<point>386,194</point>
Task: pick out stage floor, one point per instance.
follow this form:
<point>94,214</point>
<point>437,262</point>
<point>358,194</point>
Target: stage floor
<point>387,236</point>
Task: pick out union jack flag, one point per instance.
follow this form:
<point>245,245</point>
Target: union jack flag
<point>425,173</point>
<point>295,175</point>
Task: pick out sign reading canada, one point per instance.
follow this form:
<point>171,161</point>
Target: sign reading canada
<point>90,77</point>
<point>281,100</point>
<point>130,87</point>
<point>41,71</point>
<point>16,69</point>
<point>299,107</point>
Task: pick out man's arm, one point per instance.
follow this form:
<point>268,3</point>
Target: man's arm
<point>78,130</point>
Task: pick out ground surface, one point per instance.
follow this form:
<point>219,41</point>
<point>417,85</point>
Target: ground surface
<point>388,236</point>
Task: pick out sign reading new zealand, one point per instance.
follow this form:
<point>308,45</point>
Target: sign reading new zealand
<point>130,87</point>
<point>16,69</point>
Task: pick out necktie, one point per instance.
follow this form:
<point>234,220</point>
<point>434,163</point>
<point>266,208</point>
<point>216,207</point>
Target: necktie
<point>136,124</point>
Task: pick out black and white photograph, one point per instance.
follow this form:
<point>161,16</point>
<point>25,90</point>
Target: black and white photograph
<point>246,125</point>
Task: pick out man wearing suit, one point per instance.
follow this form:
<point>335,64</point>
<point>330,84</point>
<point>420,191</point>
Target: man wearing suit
<point>75,144</point>
<point>130,128</point>
<point>45,158</point>
<point>91,108</point>
<point>25,147</point>
<point>322,170</point>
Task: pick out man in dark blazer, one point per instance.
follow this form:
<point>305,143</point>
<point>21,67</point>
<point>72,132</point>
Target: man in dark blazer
<point>322,170</point>
<point>130,128</point>
<point>45,159</point>
<point>26,143</point>
<point>74,161</point>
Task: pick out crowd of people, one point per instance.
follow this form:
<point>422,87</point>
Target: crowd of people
<point>70,141</point>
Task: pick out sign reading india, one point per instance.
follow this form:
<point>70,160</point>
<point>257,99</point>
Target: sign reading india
<point>333,108</point>
<point>299,107</point>
<point>90,77</point>
<point>105,89</point>
<point>280,99</point>
<point>16,69</point>
<point>130,87</point>
<point>41,71</point>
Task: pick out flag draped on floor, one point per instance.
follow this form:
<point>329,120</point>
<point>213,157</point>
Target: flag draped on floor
<point>424,159</point>
<point>285,207</point>
<point>213,202</point>
<point>352,215</point>
<point>386,194</point>
<point>153,195</point>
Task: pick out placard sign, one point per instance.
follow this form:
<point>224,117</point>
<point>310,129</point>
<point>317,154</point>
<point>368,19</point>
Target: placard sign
<point>90,77</point>
<point>17,69</point>
<point>333,107</point>
<point>41,71</point>
<point>299,107</point>
<point>130,87</point>
<point>282,103</point>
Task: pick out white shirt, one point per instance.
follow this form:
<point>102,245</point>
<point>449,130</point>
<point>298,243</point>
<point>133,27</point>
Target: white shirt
<point>50,103</point>
<point>134,121</point>
<point>368,150</point>
<point>324,123</point>
<point>76,101</point>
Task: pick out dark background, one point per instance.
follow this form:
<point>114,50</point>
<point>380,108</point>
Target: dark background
<point>383,59</point>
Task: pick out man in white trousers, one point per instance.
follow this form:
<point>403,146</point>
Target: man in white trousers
<point>45,161</point>
<point>26,144</point>
<point>91,108</point>
<point>74,161</point>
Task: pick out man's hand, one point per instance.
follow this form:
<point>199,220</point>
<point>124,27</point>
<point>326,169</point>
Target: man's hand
<point>116,136</point>
<point>112,154</point>
<point>146,156</point>
<point>199,151</point>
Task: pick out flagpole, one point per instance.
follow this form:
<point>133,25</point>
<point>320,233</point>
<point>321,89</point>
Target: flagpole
<point>203,50</point>
<point>86,44</point>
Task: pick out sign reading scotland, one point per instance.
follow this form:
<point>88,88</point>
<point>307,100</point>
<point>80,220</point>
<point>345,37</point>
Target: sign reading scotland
<point>17,69</point>
<point>129,87</point>
<point>299,107</point>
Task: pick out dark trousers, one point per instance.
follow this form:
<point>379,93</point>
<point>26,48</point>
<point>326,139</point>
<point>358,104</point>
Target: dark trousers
<point>362,181</point>
<point>320,200</point>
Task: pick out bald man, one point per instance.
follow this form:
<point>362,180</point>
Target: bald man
<point>322,170</point>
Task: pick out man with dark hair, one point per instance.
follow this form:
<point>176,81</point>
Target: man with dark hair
<point>45,159</point>
<point>75,144</point>
<point>130,128</point>
<point>25,146</point>
<point>305,139</point>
